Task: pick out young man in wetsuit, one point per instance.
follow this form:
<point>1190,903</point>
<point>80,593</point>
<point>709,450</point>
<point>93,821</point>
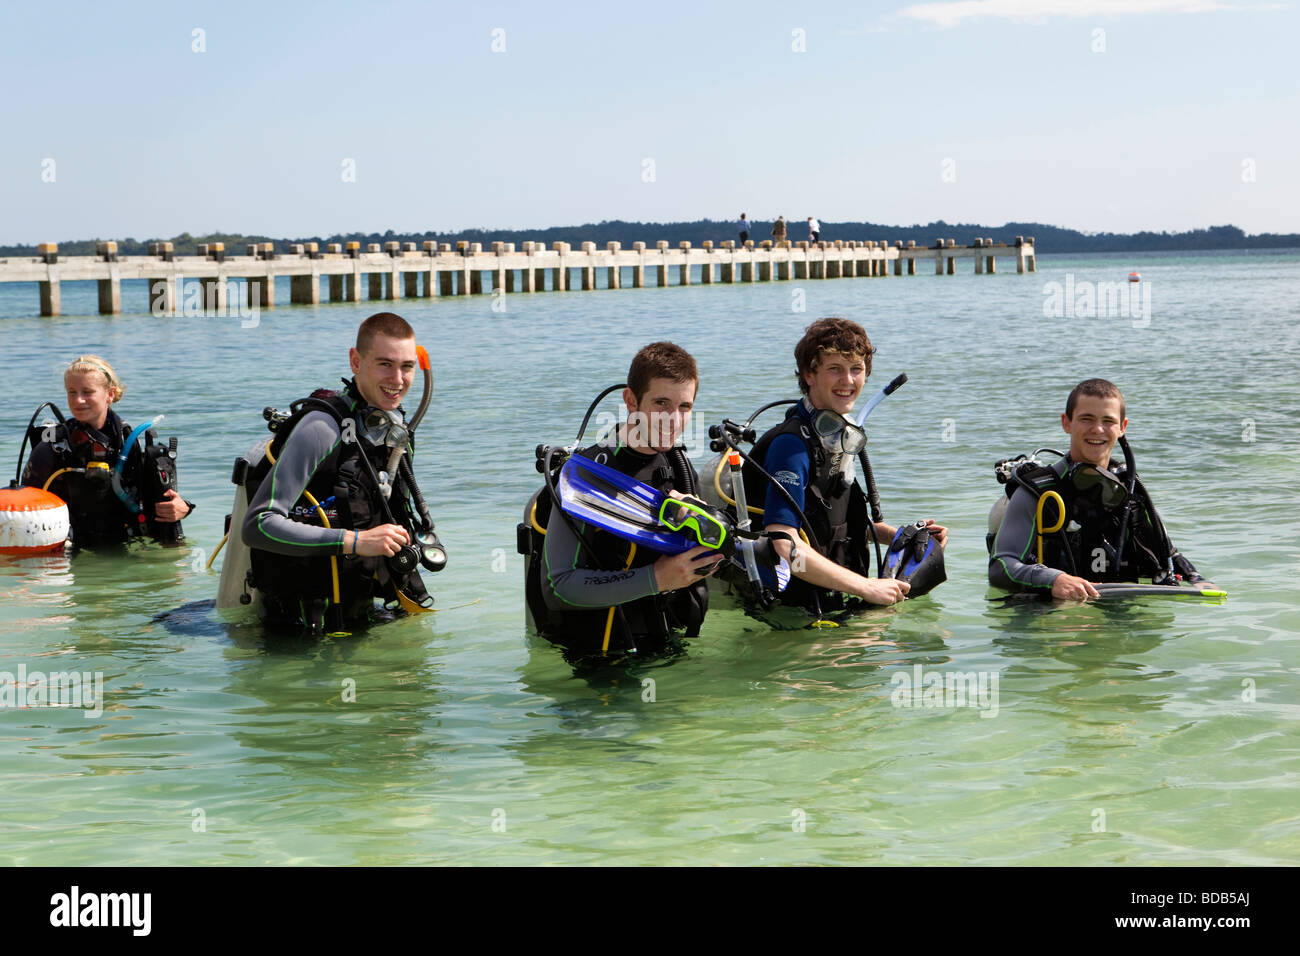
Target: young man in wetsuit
<point>617,599</point>
<point>293,547</point>
<point>1095,420</point>
<point>833,361</point>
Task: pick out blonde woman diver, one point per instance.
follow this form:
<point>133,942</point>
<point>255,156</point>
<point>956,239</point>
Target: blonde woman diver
<point>118,482</point>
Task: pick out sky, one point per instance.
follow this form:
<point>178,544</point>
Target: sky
<point>146,120</point>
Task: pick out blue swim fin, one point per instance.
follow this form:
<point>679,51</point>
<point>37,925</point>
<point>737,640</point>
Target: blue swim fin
<point>612,501</point>
<point>914,556</point>
<point>617,503</point>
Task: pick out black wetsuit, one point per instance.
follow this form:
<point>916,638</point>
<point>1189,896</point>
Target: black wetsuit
<point>97,513</point>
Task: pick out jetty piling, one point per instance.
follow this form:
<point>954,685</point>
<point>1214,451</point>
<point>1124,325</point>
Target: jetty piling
<point>402,270</point>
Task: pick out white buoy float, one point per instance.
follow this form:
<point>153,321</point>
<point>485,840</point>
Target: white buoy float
<point>32,521</point>
<point>1135,277</point>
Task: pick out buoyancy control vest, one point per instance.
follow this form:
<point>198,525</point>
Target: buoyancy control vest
<point>97,513</point>
<point>645,625</point>
<point>300,589</point>
<point>1095,542</point>
<point>835,507</point>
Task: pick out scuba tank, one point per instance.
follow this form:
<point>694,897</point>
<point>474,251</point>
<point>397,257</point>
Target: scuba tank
<point>1023,471</point>
<point>234,589</point>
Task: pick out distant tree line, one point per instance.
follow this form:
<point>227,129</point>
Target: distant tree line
<point>1048,239</point>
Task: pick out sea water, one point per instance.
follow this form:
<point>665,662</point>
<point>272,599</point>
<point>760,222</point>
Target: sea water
<point>1143,732</point>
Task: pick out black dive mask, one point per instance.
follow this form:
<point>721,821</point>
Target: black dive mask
<point>382,428</point>
<point>1111,490</point>
<point>837,434</point>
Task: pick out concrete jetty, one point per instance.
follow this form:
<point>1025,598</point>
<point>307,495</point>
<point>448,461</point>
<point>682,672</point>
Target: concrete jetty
<point>400,270</point>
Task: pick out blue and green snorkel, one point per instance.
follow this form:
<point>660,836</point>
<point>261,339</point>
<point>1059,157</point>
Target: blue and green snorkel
<point>130,501</point>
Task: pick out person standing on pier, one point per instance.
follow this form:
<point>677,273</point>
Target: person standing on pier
<point>814,230</point>
<point>778,232</point>
<point>744,229</point>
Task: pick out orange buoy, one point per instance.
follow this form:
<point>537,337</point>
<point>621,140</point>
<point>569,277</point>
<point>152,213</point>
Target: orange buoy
<point>1134,277</point>
<point>32,521</point>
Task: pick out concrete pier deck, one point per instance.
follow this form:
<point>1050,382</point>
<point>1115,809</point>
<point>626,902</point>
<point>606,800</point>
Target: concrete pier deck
<point>400,270</point>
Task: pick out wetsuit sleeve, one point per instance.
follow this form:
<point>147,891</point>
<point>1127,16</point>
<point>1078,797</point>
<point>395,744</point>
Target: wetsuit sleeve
<point>571,585</point>
<point>1012,564</point>
<point>267,525</point>
<point>787,462</point>
<point>1186,568</point>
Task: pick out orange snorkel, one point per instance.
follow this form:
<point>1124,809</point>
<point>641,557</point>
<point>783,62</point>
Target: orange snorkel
<point>423,358</point>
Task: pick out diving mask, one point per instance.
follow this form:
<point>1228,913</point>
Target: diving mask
<point>677,514</point>
<point>837,434</point>
<point>382,427</point>
<point>1086,477</point>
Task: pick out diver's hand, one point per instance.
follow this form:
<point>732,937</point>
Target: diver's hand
<point>682,570</point>
<point>937,531</point>
<point>884,590</point>
<point>171,508</point>
<point>381,542</point>
<point>1067,587</point>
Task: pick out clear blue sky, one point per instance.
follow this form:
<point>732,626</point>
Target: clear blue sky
<point>1094,114</point>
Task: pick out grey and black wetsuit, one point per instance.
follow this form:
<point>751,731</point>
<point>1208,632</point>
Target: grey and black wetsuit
<point>573,585</point>
<point>290,548</point>
<point>270,524</point>
<point>1085,546</point>
<point>601,596</point>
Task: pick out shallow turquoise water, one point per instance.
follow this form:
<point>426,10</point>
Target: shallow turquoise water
<point>1150,732</point>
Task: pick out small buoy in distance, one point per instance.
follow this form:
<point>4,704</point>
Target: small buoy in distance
<point>32,521</point>
<point>1135,277</point>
